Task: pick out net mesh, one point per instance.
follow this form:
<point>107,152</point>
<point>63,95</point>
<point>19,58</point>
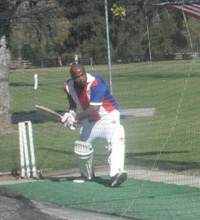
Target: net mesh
<point>159,105</point>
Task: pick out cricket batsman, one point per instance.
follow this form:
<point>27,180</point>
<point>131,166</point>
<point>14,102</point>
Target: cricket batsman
<point>93,106</point>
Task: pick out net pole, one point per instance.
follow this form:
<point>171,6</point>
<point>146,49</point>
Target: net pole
<point>108,47</point>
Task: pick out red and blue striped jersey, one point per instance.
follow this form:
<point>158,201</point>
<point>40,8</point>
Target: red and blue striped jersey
<point>95,92</point>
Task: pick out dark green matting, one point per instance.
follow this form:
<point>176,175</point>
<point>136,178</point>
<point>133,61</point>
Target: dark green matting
<point>135,198</point>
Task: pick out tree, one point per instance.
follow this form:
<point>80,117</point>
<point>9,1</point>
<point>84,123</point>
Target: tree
<point>12,10</point>
<point>192,33</point>
<point>4,90</point>
<point>7,9</point>
<point>88,31</point>
<point>40,31</point>
<point>127,28</point>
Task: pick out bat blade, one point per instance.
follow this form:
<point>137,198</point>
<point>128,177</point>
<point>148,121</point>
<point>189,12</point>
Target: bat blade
<point>48,112</point>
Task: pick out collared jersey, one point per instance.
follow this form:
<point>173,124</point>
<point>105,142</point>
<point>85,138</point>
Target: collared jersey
<point>95,92</point>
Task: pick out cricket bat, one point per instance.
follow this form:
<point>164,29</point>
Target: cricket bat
<point>48,112</point>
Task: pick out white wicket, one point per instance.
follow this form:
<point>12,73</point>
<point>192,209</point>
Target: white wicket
<point>35,81</point>
<point>25,128</point>
<point>76,58</point>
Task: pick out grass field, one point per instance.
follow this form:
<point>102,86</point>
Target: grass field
<point>168,141</point>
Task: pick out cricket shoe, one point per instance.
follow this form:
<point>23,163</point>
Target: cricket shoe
<point>118,179</point>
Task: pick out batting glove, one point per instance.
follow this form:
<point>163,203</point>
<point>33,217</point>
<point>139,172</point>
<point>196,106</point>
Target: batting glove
<point>69,120</point>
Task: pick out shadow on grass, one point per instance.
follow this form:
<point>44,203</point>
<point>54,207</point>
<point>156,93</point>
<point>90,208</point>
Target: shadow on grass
<point>21,84</point>
<point>96,179</point>
<point>156,76</point>
<point>137,160</point>
<point>36,117</point>
<point>33,116</point>
<point>58,151</point>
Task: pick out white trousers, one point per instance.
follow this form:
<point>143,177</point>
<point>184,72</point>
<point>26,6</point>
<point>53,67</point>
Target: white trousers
<point>103,130</point>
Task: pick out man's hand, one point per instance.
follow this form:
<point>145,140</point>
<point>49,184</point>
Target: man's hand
<point>69,120</point>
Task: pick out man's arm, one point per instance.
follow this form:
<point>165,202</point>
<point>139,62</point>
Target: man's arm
<point>72,104</point>
<point>91,110</point>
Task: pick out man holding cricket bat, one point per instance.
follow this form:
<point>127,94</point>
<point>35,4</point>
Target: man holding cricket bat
<point>92,105</point>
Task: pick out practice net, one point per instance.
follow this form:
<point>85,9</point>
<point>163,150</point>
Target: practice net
<point>159,105</point>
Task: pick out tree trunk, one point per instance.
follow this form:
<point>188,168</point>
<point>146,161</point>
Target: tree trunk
<point>5,120</point>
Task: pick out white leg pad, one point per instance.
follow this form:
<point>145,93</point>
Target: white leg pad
<point>117,151</point>
<point>84,153</point>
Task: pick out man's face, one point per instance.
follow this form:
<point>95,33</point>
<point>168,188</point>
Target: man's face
<point>80,77</point>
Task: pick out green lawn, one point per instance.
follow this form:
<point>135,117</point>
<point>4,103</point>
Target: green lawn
<point>169,140</point>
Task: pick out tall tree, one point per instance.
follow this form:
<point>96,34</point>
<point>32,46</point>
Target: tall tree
<point>88,31</point>
<point>40,32</point>
<point>126,30</point>
<point>7,9</point>
<point>13,10</point>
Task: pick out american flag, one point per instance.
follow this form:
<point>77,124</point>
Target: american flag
<point>191,8</point>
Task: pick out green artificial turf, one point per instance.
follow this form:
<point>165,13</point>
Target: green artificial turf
<point>136,199</point>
